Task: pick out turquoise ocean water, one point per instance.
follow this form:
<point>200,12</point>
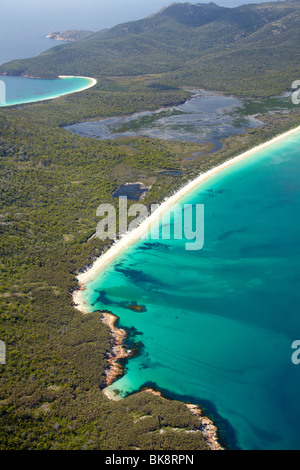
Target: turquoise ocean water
<point>219,323</point>
<point>21,90</point>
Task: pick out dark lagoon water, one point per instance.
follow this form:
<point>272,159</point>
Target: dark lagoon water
<point>205,118</point>
<point>218,324</point>
<point>20,90</point>
<point>133,191</point>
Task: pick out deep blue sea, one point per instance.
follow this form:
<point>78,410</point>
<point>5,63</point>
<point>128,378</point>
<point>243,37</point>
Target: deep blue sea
<point>219,323</point>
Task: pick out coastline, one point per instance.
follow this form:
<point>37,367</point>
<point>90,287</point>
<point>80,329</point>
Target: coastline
<point>208,429</point>
<point>130,238</point>
<point>117,351</point>
<point>92,82</point>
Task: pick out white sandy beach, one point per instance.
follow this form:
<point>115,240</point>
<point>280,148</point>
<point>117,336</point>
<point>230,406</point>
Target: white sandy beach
<point>92,81</point>
<point>130,238</point>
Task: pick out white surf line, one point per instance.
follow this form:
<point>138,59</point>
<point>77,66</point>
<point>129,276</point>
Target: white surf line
<point>130,238</point>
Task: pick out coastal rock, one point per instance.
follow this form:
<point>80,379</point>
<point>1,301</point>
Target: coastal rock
<point>118,351</point>
<point>208,429</point>
<point>69,36</point>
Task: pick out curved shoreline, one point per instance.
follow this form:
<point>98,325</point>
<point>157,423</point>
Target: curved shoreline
<point>132,237</point>
<point>209,430</point>
<point>92,82</point>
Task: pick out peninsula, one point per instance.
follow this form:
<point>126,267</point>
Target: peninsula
<point>70,36</point>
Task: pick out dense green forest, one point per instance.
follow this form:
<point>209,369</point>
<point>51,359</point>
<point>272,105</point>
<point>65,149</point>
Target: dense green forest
<point>249,50</point>
<point>51,185</point>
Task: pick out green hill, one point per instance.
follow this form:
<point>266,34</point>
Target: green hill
<point>249,50</point>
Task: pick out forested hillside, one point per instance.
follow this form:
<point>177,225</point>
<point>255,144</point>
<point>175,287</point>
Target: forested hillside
<point>52,183</point>
<point>249,50</point>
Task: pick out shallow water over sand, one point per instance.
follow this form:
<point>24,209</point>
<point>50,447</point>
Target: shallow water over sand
<point>20,90</point>
<point>219,323</point>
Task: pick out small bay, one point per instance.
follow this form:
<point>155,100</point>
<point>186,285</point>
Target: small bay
<point>20,90</point>
<point>218,324</point>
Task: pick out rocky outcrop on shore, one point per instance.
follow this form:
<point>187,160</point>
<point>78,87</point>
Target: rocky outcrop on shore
<point>114,370</point>
<point>69,36</point>
<point>117,351</point>
<point>208,429</point>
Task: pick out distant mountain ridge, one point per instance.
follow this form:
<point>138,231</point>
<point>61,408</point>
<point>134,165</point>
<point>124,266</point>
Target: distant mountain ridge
<point>249,50</point>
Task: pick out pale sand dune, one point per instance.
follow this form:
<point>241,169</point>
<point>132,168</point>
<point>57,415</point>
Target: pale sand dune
<point>124,243</point>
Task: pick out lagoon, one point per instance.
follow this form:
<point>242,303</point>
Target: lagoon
<point>205,118</point>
